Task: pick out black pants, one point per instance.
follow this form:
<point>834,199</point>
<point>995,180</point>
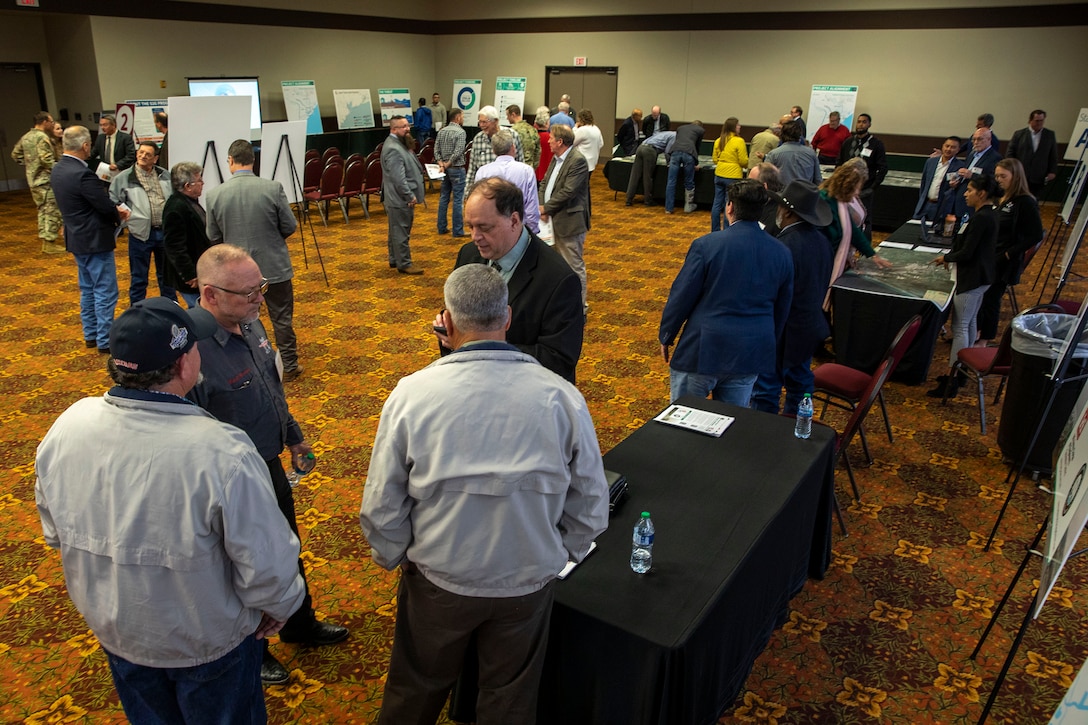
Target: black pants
<point>303,619</point>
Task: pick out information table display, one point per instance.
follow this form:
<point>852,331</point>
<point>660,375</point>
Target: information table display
<point>872,304</point>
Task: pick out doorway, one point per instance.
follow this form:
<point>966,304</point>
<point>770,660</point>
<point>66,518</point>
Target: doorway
<point>23,92</point>
<point>592,88</point>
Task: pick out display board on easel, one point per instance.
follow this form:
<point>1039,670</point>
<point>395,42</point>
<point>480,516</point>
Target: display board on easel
<point>202,128</point>
<point>277,160</point>
<point>824,100</point>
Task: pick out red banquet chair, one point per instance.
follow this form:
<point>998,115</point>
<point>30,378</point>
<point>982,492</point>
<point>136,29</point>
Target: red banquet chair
<point>329,153</point>
<point>372,184</point>
<point>844,386</point>
<point>311,174</point>
<point>352,187</point>
<point>327,190</point>
<point>979,362</point>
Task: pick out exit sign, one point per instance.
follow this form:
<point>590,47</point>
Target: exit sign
<point>580,61</point>
<point>26,3</point>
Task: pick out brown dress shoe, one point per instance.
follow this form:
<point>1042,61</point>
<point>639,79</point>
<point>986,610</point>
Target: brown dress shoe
<point>410,269</point>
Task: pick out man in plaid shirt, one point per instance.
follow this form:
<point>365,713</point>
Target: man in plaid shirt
<point>449,154</point>
<point>482,152</point>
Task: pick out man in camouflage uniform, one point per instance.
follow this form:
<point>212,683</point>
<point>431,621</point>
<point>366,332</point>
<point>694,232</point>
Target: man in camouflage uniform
<point>530,139</point>
<point>35,151</point>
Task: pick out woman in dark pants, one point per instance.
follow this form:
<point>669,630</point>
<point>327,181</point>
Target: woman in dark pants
<point>1019,229</point>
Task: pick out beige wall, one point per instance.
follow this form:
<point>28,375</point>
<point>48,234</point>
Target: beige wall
<point>910,81</point>
<point>75,78</point>
<point>332,58</point>
<point>22,40</point>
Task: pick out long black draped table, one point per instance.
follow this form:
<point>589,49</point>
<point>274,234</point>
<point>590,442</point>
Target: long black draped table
<point>870,305</point>
<point>741,522</point>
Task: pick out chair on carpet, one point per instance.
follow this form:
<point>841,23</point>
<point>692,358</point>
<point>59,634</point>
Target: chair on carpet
<point>311,174</point>
<point>861,409</point>
<point>1011,289</point>
<point>979,362</point>
<point>835,382</point>
<point>372,184</point>
<point>312,154</point>
<point>374,155</point>
<point>327,190</point>
<point>352,187</point>
<point>329,153</point>
<point>354,157</point>
<point>426,156</point>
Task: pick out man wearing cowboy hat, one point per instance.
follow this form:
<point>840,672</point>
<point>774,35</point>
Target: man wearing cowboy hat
<point>800,216</point>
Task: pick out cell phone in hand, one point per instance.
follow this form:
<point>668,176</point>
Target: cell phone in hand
<point>440,329</point>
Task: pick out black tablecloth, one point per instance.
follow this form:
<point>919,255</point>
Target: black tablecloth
<point>618,173</point>
<point>741,522</point>
<point>866,319</point>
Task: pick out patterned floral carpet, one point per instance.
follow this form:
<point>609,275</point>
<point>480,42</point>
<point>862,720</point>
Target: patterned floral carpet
<point>884,638</point>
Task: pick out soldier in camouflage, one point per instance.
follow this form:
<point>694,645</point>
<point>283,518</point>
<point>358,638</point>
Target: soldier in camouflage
<point>35,151</point>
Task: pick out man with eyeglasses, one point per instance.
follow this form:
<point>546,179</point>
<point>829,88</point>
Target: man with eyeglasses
<point>253,213</point>
<point>144,188</point>
<point>241,386</point>
<point>482,153</point>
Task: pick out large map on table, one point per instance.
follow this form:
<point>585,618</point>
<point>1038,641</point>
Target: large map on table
<point>911,276</point>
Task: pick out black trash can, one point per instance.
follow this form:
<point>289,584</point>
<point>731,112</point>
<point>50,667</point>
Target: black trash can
<point>1036,343</point>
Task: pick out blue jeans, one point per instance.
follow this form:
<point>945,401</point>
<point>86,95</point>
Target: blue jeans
<point>97,295</point>
<point>687,161</point>
<point>798,380</point>
<point>140,253</point>
<point>226,691</point>
<point>454,181</point>
<point>191,298</point>
<point>717,211</point>
<point>735,389</point>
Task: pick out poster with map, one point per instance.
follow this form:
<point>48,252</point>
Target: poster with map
<point>300,98</point>
<point>353,108</point>
<point>824,100</point>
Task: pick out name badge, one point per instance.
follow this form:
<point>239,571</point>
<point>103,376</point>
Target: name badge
<point>975,170</point>
<point>866,153</point>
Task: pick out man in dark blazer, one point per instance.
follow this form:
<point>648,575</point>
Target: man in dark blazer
<point>564,200</point>
<point>656,121</point>
<point>1037,149</point>
<point>732,298</point>
<point>90,222</point>
<point>982,158</point>
<point>630,131</point>
<point>801,214</point>
<point>112,147</point>
<point>545,298</point>
<point>936,196</point>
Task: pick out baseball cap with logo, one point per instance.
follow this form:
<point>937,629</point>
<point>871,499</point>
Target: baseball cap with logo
<point>155,332</point>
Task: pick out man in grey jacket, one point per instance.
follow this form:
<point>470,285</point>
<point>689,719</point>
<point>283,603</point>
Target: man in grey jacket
<point>144,188</point>
<point>402,189</point>
<point>252,213</point>
<point>172,545</point>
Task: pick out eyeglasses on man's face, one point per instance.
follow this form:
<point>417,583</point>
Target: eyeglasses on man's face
<point>250,296</point>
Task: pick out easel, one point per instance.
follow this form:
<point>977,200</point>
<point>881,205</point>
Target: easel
<point>1069,222</point>
<point>1057,380</point>
<point>209,147</point>
<point>1031,551</point>
<point>301,210</point>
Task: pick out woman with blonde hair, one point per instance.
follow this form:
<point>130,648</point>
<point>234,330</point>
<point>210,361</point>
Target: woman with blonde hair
<point>841,191</point>
<point>730,158</point>
<point>1019,228</point>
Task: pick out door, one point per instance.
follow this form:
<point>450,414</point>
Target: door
<point>592,88</point>
<point>24,95</point>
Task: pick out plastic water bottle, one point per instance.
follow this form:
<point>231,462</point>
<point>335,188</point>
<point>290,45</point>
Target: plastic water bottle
<point>301,466</point>
<point>642,545</point>
<point>803,427</point>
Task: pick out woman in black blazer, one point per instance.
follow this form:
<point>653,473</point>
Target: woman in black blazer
<point>184,228</point>
<point>1019,228</point>
<point>973,254</point>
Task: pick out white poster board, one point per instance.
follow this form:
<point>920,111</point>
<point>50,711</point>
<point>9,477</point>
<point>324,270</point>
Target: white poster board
<point>353,108</point>
<point>824,100</point>
<point>466,96</point>
<point>300,98</point>
<point>395,102</point>
<point>509,90</point>
<point>143,118</point>
<point>1079,138</point>
<point>1069,509</point>
<point>196,120</point>
<point>1073,709</point>
<point>275,162</point>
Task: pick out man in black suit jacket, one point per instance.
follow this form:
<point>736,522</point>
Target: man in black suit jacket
<point>90,221</point>
<point>656,121</point>
<point>121,151</point>
<point>1037,149</point>
<point>629,132</point>
<point>545,294</point>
